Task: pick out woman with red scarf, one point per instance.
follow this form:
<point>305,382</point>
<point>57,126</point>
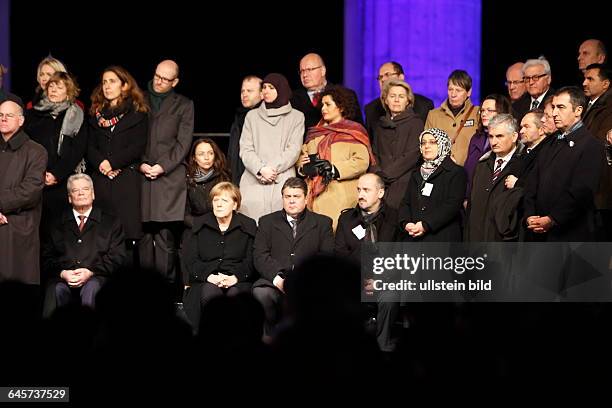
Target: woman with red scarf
<point>336,152</point>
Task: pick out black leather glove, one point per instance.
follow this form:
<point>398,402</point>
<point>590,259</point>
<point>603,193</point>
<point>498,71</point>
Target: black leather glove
<point>325,170</point>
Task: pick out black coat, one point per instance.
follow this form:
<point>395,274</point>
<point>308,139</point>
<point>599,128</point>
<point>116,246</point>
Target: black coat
<point>598,120</point>
<point>529,160</point>
<point>347,245</point>
<point>45,130</point>
<point>396,149</point>
<point>123,148</point>
<point>233,148</point>
<point>99,247</point>
<point>276,250</point>
<point>312,114</point>
<point>375,110</point>
<point>523,104</point>
<point>210,251</point>
<point>483,202</point>
<point>440,212</point>
<point>198,200</point>
<point>563,186</point>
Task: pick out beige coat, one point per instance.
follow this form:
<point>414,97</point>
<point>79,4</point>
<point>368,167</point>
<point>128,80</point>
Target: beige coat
<point>442,118</point>
<point>351,160</point>
<point>270,137</point>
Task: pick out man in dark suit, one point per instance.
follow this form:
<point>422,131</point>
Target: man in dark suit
<point>374,110</point>
<point>537,77</point>
<point>370,221</point>
<point>83,248</point>
<point>559,198</point>
<point>286,238</point>
<point>307,100</point>
<point>164,191</point>
<point>488,192</point>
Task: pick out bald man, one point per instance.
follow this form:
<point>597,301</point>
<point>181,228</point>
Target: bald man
<point>313,75</point>
<point>164,190</point>
<point>514,81</point>
<point>591,51</point>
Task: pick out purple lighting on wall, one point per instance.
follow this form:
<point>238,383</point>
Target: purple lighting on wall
<point>5,40</point>
<point>430,38</point>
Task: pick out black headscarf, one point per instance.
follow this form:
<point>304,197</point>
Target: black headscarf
<point>281,84</point>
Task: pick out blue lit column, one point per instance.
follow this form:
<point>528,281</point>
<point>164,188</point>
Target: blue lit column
<point>430,38</point>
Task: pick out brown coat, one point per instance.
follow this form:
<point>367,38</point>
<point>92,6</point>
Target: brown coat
<point>442,118</point>
<point>22,167</point>
<point>170,135</point>
<point>598,120</point>
<point>352,160</point>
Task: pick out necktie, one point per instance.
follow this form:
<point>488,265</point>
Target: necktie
<point>498,169</point>
<point>315,98</point>
<point>293,227</point>
<point>534,104</point>
<point>81,222</point>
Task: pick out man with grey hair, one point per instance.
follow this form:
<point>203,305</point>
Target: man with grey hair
<point>537,77</point>
<point>488,185</point>
<point>84,247</point>
<point>22,167</point>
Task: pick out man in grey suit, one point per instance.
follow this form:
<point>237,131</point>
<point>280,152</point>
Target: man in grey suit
<point>164,189</point>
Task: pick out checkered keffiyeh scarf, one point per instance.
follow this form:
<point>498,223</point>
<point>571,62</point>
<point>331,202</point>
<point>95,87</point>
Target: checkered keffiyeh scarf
<point>444,148</point>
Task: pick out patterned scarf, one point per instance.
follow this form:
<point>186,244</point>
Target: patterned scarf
<point>345,131</point>
<point>201,176</point>
<point>106,123</point>
<point>444,148</point>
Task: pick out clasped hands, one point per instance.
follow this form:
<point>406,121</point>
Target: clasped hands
<point>538,224</point>
<point>107,170</point>
<point>151,172</point>
<point>76,277</point>
<point>415,230</point>
<point>221,280</point>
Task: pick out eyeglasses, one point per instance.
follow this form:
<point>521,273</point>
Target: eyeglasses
<point>429,142</point>
<point>8,115</point>
<point>387,75</point>
<point>162,79</point>
<point>533,78</point>
<point>308,70</point>
<point>510,83</point>
<point>78,190</point>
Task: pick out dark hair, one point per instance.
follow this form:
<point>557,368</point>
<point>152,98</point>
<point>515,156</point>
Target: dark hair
<point>502,104</point>
<point>219,164</point>
<point>605,73</point>
<point>460,78</point>
<point>344,99</point>
<point>295,182</point>
<point>397,67</point>
<point>576,96</point>
<point>98,101</point>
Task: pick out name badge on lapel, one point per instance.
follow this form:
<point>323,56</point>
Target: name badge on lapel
<point>469,123</point>
<point>426,191</point>
<point>359,232</point>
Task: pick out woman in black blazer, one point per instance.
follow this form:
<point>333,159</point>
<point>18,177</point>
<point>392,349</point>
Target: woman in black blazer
<point>431,208</point>
<point>219,251</point>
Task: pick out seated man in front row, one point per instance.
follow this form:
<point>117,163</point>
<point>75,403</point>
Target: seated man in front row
<point>84,247</point>
<point>371,221</point>
<point>284,239</point>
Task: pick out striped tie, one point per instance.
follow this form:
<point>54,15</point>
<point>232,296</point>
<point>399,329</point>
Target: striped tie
<point>498,169</point>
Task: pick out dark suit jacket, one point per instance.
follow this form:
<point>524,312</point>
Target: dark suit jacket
<point>99,247</point>
<point>440,212</point>
<point>348,245</point>
<point>375,110</point>
<point>523,104</point>
<point>563,184</point>
<point>483,203</point>
<point>312,114</point>
<point>276,250</point>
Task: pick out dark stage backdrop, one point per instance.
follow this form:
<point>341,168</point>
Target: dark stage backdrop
<point>215,43</point>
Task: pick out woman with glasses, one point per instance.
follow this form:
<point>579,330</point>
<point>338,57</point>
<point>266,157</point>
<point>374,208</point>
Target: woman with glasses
<point>56,123</point>
<point>269,147</point>
<point>336,152</point>
<point>491,106</point>
<point>431,208</point>
<point>457,116</point>
<point>118,128</point>
<point>396,140</point>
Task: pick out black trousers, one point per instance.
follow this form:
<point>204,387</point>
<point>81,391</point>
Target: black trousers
<point>158,249</point>
<point>271,300</point>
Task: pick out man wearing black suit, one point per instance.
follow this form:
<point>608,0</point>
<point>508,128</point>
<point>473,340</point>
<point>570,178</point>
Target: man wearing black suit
<point>307,99</point>
<point>374,110</point>
<point>284,239</point>
<point>559,198</point>
<point>598,119</point>
<point>370,221</point>
<point>537,77</point>
<point>84,247</point>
